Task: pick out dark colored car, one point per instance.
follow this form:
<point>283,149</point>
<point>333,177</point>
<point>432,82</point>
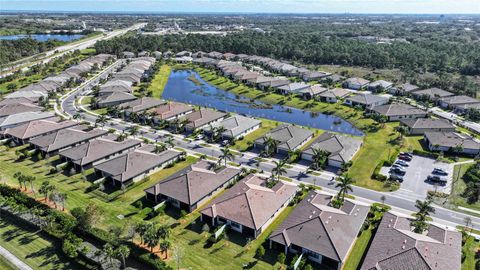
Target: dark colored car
<point>439,171</point>
<point>406,158</point>
<point>398,171</point>
<point>396,177</point>
<point>436,178</point>
<point>406,154</point>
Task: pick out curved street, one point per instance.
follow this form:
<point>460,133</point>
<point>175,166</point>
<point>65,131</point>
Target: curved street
<point>399,203</point>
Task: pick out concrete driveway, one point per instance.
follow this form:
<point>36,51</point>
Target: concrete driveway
<point>415,184</point>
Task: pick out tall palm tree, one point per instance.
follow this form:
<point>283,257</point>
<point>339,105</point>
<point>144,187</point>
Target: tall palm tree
<point>164,246</point>
<point>160,147</point>
<point>30,179</point>
<point>78,116</point>
<point>279,169</point>
<point>170,142</point>
<point>424,210</point>
<point>227,154</point>
<point>121,137</point>
<point>319,158</point>
<point>122,252</point>
<point>270,146</point>
<point>20,178</point>
<point>218,132</point>
<point>176,123</point>
<point>102,120</point>
<point>133,130</point>
<point>345,185</point>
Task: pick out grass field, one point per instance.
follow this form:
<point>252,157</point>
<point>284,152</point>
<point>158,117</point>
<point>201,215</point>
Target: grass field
<point>187,232</point>
<point>33,248</point>
<point>159,81</point>
<point>243,145</point>
<point>470,249</point>
<point>6,265</point>
<point>358,250</point>
<point>459,187</point>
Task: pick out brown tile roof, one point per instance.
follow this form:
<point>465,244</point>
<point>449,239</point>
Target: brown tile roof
<point>396,247</point>
<point>250,202</point>
<point>38,128</point>
<point>202,117</point>
<point>15,108</point>
<point>194,183</point>
<point>170,109</point>
<point>141,104</point>
<point>315,225</point>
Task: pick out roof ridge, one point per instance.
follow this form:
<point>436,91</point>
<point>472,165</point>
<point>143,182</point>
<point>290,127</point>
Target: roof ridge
<point>250,209</point>
<point>329,237</point>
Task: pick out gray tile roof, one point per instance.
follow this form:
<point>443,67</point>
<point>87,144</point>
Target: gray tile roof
<point>16,101</point>
<point>202,117</point>
<point>341,148</point>
<point>194,183</point>
<point>97,149</point>
<point>396,247</point>
<point>250,202</point>
<point>425,123</point>
<point>407,87</point>
<point>293,87</point>
<point>451,139</point>
<point>25,117</point>
<point>38,128</point>
<point>289,137</point>
<point>235,125</point>
<point>10,109</point>
<point>116,97</point>
<point>141,104</point>
<point>135,163</point>
<point>356,80</point>
<point>381,83</point>
<point>335,93</point>
<point>317,226</point>
<point>432,93</point>
<point>66,137</point>
<point>459,100</point>
<point>398,109</point>
<point>366,99</point>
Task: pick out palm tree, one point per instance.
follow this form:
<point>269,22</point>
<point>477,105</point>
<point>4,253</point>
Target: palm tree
<point>185,122</point>
<point>133,130</point>
<point>176,123</point>
<point>160,147</point>
<point>279,169</point>
<point>270,146</point>
<point>78,116</point>
<point>344,185</point>
<point>109,252</point>
<point>30,179</point>
<point>424,210</point>
<point>319,158</point>
<point>122,252</point>
<point>20,178</point>
<point>63,198</point>
<point>170,142</point>
<point>218,133</point>
<point>121,137</point>
<point>151,237</point>
<point>45,189</point>
<point>227,154</point>
<point>102,120</point>
<point>164,246</point>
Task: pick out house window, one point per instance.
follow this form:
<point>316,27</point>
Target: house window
<point>311,254</point>
<point>235,225</point>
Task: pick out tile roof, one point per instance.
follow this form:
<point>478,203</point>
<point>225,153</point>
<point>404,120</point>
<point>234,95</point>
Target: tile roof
<point>10,109</point>
<point>317,226</point>
<point>459,100</point>
<point>432,93</point>
<point>341,148</point>
<point>335,93</point>
<point>250,202</point>
<point>202,117</point>
<point>356,80</point>
<point>97,149</point>
<point>38,128</point>
<point>427,123</point>
<point>194,183</point>
<point>367,99</point>
<point>25,117</point>
<point>396,247</point>
<point>288,136</point>
<point>235,125</point>
<point>141,104</point>
<point>136,162</point>
<point>451,139</point>
<point>170,109</point>
<point>398,109</point>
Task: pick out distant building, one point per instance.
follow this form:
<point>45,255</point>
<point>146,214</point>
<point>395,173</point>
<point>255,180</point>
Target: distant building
<point>355,83</point>
<point>399,111</point>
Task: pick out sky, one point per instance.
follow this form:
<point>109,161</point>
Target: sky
<point>250,6</point>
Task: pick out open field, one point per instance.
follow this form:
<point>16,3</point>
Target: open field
<point>159,81</point>
<point>470,248</point>
<point>458,187</point>
<point>32,247</point>
<point>6,265</point>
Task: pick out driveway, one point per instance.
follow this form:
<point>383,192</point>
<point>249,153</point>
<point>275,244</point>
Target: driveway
<point>415,184</point>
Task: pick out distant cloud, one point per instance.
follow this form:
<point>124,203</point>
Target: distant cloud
<point>256,6</point>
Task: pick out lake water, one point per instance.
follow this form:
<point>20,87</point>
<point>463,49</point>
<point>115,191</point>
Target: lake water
<point>44,37</point>
<point>180,88</point>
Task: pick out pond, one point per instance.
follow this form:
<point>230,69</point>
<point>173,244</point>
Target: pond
<point>44,37</point>
<point>189,87</point>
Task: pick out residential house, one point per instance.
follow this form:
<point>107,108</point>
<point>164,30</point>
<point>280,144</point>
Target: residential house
<point>11,109</point>
<point>367,101</point>
<point>128,55</point>
<point>451,142</point>
<point>321,232</point>
<point>341,148</point>
<point>396,246</point>
<point>399,111</point>
<point>312,91</point>
<point>463,109</point>
<point>379,86</point>
<point>288,137</point>
<point>333,95</point>
<point>236,126</point>
<point>457,101</point>
<point>21,134</point>
<point>273,84</point>
<point>51,143</point>
<point>22,118</point>
<point>200,118</point>
<point>18,100</point>
<point>291,88</point>
<point>194,186</point>
<point>114,86</point>
<point>86,155</point>
<point>314,75</point>
<point>135,165</point>
<point>170,110</point>
<point>421,125</point>
<point>432,94</point>
<point>115,99</point>
<point>404,90</point>
<point>249,207</point>
<point>355,83</point>
<point>140,105</point>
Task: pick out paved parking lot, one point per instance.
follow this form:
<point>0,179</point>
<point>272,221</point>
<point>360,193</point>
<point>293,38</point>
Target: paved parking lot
<point>415,183</point>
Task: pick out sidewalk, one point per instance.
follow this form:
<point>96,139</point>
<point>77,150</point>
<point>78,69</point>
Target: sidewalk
<point>13,259</point>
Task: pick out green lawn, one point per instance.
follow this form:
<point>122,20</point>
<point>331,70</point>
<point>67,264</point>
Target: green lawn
<point>6,265</point>
<point>267,125</point>
<point>459,186</point>
<point>159,81</point>
<point>470,248</point>
<point>33,248</point>
<point>186,234</point>
<point>358,250</point>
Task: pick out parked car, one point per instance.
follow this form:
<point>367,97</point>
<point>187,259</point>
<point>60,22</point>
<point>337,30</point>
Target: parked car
<point>398,171</point>
<point>439,171</point>
<point>406,154</point>
<point>406,158</point>
<point>199,137</point>
<point>225,142</point>
<point>438,179</point>
<point>396,177</point>
<point>402,163</point>
<point>397,166</point>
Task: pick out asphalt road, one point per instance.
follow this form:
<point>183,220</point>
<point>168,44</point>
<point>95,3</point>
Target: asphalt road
<point>398,202</point>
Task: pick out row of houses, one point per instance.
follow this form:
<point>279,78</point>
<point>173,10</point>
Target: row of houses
<point>315,228</point>
<point>56,83</point>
